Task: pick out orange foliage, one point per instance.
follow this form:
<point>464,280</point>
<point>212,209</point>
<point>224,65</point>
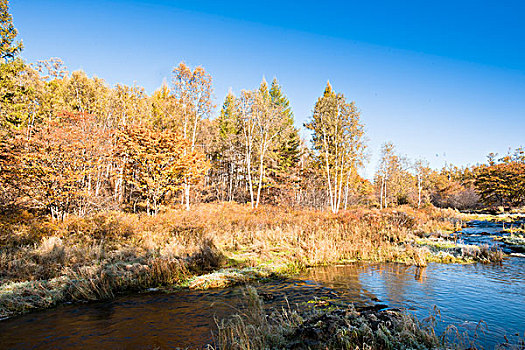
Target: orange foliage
<point>158,163</point>
<point>59,164</point>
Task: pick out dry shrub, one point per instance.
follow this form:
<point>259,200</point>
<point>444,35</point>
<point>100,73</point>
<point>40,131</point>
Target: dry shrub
<point>252,328</point>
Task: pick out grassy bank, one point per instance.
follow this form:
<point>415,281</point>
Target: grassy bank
<point>323,325</point>
<point>45,262</point>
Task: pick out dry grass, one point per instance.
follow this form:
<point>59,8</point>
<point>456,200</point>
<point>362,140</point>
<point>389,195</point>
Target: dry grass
<point>251,328</point>
<point>322,326</point>
<point>315,238</point>
<point>447,250</point>
<point>94,258</point>
<point>44,262</point>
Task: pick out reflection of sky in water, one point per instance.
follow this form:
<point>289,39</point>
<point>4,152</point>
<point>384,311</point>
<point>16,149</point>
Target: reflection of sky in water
<point>464,294</point>
<point>482,232</point>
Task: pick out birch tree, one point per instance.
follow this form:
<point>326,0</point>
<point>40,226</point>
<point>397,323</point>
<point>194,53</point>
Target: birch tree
<point>245,106</point>
<point>228,154</point>
<point>192,90</point>
<point>388,157</point>
<point>269,122</point>
<point>397,184</point>
<point>337,142</point>
<point>422,172</point>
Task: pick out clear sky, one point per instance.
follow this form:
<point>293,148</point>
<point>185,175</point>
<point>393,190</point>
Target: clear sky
<point>444,81</point>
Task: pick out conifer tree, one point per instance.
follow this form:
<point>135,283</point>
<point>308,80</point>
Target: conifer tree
<point>288,151</point>
<point>8,48</point>
<point>228,154</point>
<point>227,123</point>
<point>269,123</point>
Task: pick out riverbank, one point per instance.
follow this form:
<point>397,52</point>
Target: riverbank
<point>44,262</point>
<point>321,324</point>
<point>336,324</point>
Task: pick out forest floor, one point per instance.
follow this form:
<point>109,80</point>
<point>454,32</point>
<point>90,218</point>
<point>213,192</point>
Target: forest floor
<point>46,262</point>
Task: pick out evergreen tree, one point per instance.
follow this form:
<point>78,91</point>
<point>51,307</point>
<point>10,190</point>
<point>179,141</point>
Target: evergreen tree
<point>8,49</point>
<point>226,154</point>
<point>12,95</point>
<point>263,89</point>
<point>288,151</point>
<point>227,123</point>
<point>281,100</point>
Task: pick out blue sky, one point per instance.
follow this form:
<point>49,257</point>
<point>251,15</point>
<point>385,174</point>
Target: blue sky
<point>444,81</point>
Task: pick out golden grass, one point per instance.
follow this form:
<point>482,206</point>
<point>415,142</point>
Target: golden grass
<point>95,257</point>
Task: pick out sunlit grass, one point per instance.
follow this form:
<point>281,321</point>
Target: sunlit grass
<point>45,262</point>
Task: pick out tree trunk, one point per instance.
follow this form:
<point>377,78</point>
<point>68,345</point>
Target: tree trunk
<point>187,196</point>
<point>419,190</point>
<point>261,174</point>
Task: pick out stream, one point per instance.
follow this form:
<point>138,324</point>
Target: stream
<point>463,294</point>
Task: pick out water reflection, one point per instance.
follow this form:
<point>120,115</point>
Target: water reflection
<point>184,319</point>
<point>421,274</point>
<point>464,294</point>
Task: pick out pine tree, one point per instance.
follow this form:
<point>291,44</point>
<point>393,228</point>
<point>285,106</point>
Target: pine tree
<point>281,100</point>
<point>13,95</point>
<point>263,89</point>
<point>288,151</point>
<point>227,156</point>
<point>226,120</point>
<point>8,49</point>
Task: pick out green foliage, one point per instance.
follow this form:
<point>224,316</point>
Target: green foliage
<point>253,145</point>
<point>17,93</point>
<point>8,48</point>
<point>336,128</point>
<point>227,122</point>
<point>288,148</point>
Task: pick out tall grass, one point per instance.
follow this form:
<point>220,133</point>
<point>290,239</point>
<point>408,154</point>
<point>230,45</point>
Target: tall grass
<point>252,328</point>
<point>328,325</point>
<point>44,262</point>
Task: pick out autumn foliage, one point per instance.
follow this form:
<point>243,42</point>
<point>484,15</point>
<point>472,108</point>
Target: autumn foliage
<point>61,163</point>
<point>71,144</point>
<point>157,164</point>
<point>502,184</point>
<point>76,164</point>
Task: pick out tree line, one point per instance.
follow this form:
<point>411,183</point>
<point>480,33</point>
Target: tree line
<point>71,144</point>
